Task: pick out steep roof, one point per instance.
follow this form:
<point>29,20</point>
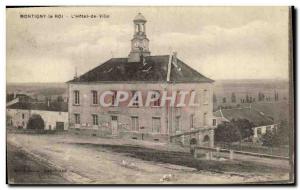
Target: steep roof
<point>245,113</point>
<point>154,69</point>
<point>53,106</point>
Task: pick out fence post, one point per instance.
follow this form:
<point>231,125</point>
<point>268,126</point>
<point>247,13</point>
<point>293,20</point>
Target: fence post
<point>218,152</point>
<point>207,156</point>
<point>231,154</point>
<point>210,155</point>
<point>195,153</point>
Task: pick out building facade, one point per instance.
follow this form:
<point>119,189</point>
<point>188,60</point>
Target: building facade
<point>262,123</point>
<point>138,75</point>
<point>55,118</point>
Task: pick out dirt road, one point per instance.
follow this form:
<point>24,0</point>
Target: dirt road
<point>94,160</point>
<point>22,169</point>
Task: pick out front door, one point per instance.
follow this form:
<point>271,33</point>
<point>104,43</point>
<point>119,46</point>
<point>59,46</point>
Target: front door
<point>59,126</point>
<point>114,125</point>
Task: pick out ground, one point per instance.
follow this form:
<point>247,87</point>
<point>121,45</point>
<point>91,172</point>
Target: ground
<point>23,169</point>
<point>94,160</point>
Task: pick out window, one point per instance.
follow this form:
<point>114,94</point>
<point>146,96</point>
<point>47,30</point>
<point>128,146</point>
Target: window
<point>95,97</point>
<point>114,118</point>
<point>205,119</point>
<point>76,97</point>
<point>23,115</point>
<point>95,119</point>
<point>214,122</point>
<point>135,103</point>
<point>113,98</point>
<point>258,131</point>
<point>192,121</point>
<point>196,99</point>
<point>135,123</point>
<point>77,118</point>
<point>177,123</point>
<point>154,95</point>
<point>269,129</point>
<point>156,124</point>
<point>206,97</point>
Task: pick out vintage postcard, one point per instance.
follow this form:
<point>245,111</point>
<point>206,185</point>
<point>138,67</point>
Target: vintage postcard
<point>149,95</point>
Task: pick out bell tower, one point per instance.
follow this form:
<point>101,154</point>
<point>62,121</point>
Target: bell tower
<point>140,42</point>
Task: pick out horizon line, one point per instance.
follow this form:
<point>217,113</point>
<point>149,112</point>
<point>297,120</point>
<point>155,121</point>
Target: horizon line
<point>216,80</point>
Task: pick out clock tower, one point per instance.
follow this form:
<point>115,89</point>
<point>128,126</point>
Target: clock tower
<point>140,42</point>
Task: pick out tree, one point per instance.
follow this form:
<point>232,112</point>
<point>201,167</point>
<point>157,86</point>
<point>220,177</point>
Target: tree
<point>261,97</point>
<point>250,99</point>
<point>268,139</point>
<point>234,131</point>
<point>227,132</point>
<point>276,97</point>
<point>277,137</point>
<point>36,122</point>
<point>233,97</point>
<point>214,98</point>
<point>224,99</point>
<point>283,132</point>
<point>245,127</point>
<point>247,98</point>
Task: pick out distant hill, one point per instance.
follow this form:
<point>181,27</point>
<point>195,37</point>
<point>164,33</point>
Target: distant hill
<point>43,89</point>
<point>224,89</point>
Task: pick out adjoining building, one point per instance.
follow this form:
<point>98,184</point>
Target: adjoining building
<point>262,123</point>
<point>141,72</point>
<point>54,114</point>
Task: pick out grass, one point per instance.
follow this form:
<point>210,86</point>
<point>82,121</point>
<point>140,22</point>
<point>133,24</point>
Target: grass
<point>277,151</point>
<point>183,159</point>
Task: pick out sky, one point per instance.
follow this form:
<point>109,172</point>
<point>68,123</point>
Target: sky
<point>219,42</point>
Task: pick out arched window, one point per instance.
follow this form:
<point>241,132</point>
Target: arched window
<point>193,141</point>
<point>206,138</point>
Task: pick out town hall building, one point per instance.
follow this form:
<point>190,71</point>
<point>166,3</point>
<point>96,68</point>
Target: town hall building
<point>138,74</point>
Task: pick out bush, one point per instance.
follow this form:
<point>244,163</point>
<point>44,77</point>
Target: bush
<point>278,137</point>
<point>227,132</point>
<point>234,131</point>
<point>36,122</point>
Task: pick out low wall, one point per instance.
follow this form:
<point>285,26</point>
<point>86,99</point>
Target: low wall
<point>102,132</point>
<point>144,136</point>
<point>205,149</point>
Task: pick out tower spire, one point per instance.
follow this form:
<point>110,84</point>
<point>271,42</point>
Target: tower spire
<point>140,42</point>
<point>75,75</point>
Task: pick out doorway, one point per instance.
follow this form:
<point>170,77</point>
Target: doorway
<point>114,125</point>
<point>60,126</point>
